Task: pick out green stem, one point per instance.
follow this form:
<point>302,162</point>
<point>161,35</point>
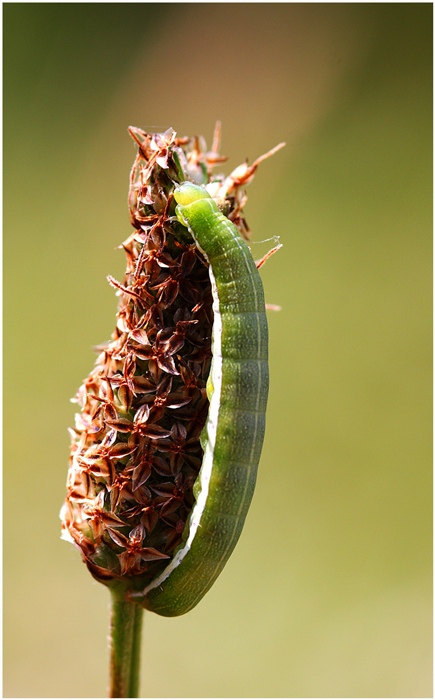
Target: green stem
<point>125,638</point>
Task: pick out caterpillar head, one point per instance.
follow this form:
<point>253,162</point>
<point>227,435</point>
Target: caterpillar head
<point>193,201</point>
<point>188,192</point>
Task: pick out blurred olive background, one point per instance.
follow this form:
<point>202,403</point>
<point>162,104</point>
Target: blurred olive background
<point>328,593</point>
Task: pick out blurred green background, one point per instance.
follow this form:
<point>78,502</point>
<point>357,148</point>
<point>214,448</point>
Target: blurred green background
<point>328,593</point>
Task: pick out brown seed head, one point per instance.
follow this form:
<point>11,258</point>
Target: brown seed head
<point>135,451</point>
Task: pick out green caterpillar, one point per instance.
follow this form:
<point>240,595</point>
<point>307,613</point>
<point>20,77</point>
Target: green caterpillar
<point>237,389</point>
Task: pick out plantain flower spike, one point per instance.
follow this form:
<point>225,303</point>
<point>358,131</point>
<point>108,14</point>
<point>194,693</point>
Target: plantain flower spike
<point>135,451</point>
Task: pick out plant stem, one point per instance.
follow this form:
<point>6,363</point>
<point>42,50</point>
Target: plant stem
<point>125,637</point>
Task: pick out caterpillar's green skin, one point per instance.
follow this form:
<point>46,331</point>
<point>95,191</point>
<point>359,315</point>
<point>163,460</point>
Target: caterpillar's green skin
<point>237,387</point>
